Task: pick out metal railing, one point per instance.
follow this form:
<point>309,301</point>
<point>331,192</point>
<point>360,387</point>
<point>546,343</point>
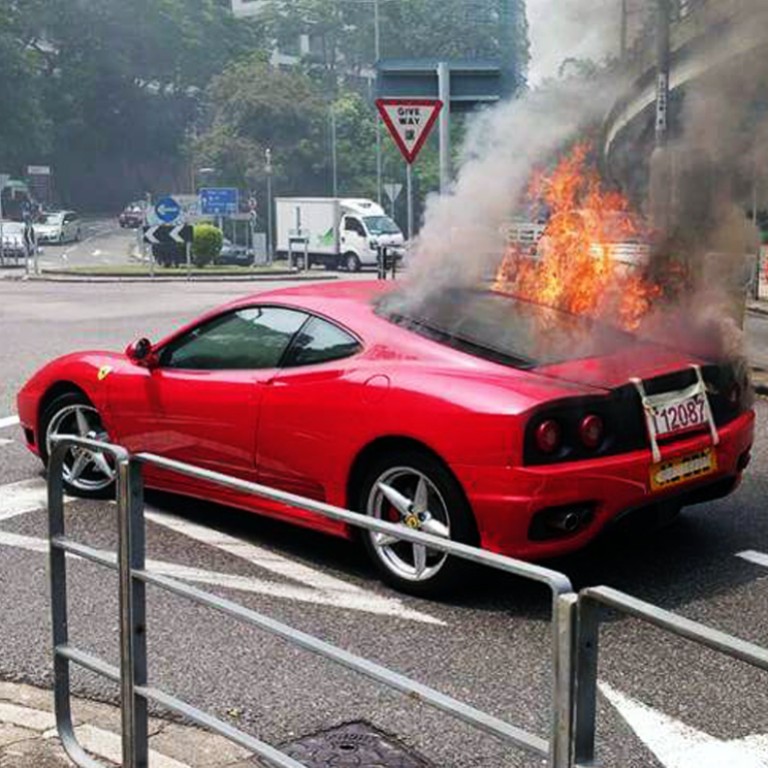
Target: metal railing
<point>133,578</point>
<point>592,602</point>
<point>575,626</point>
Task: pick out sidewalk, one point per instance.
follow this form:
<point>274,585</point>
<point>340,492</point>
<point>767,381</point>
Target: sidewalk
<point>28,736</point>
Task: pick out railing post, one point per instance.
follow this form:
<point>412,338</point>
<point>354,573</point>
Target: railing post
<point>58,574</point>
<point>564,629</point>
<point>587,639</point>
<point>133,645</point>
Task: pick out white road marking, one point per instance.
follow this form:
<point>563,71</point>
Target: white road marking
<point>358,600</point>
<point>4,441</point>
<point>323,589</point>
<point>9,421</point>
<point>758,558</point>
<point>22,497</point>
<point>263,558</point>
<point>677,745</point>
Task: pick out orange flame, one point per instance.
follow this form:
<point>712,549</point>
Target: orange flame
<point>586,262</point>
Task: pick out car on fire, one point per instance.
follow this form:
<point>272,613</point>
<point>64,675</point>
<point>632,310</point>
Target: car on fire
<point>458,417</point>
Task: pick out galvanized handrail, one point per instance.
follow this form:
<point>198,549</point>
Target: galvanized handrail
<point>591,603</point>
<point>133,576</point>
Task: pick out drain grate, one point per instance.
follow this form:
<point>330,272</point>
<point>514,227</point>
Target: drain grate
<point>353,745</point>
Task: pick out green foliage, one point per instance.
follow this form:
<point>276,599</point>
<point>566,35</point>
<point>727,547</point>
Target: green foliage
<point>206,245</point>
<point>123,98</point>
<point>105,90</point>
<point>344,31</point>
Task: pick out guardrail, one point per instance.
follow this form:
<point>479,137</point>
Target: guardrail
<point>591,602</point>
<point>575,626</point>
<point>133,577</point>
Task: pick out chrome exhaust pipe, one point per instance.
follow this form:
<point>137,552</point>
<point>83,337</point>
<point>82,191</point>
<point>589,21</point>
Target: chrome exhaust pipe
<point>565,521</point>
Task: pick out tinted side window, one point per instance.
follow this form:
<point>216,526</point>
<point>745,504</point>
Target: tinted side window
<point>250,338</point>
<point>321,342</point>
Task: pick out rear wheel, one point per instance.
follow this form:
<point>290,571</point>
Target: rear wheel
<point>415,490</point>
<point>89,474</point>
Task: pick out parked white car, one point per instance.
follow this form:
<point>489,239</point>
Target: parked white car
<point>13,240</point>
<point>58,227</point>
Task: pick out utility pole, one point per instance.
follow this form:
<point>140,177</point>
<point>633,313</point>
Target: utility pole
<point>661,166</point>
<point>334,166</point>
<point>444,94</point>
<point>624,29</point>
<point>377,50</point>
<point>268,169</point>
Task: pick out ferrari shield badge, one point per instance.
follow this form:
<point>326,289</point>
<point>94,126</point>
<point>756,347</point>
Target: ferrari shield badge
<point>104,371</point>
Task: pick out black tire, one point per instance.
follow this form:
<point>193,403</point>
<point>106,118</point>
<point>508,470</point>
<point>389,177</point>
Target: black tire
<point>352,262</point>
<point>461,521</point>
<point>63,404</point>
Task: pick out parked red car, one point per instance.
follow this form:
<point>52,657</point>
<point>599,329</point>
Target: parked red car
<point>342,393</point>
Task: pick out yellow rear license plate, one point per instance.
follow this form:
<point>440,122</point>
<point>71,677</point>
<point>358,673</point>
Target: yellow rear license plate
<point>667,474</point>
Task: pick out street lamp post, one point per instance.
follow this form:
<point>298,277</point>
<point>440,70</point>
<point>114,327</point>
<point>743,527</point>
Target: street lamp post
<point>377,49</point>
<point>661,166</point>
<point>268,169</point>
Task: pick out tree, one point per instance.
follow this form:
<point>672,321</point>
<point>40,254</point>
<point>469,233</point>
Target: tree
<point>24,127</point>
<point>341,32</point>
<point>118,85</point>
<point>252,107</point>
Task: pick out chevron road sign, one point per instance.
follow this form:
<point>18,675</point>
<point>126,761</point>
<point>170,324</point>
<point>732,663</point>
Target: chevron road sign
<point>165,234</point>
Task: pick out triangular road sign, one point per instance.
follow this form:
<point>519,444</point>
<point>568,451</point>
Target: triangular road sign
<point>409,121</point>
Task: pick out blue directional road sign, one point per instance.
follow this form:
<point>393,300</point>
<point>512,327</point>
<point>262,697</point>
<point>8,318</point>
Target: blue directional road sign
<point>167,209</point>
<point>218,201</point>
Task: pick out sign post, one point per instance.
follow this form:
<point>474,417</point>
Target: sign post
<point>409,122</point>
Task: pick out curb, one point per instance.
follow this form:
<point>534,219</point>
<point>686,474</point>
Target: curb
<point>758,308</point>
<point>61,278</point>
<point>28,735</point>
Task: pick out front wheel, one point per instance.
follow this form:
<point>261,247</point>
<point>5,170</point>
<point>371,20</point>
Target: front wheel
<point>352,262</point>
<point>415,490</point>
<point>88,474</point>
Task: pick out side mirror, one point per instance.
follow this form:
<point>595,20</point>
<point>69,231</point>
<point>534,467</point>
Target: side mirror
<point>140,352</point>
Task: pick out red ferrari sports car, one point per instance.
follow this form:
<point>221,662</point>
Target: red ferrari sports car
<point>480,417</point>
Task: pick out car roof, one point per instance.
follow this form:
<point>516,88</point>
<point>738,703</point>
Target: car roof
<point>340,300</point>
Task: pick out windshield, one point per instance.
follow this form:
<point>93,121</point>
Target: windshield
<point>381,225</point>
<point>503,328</point>
<point>52,218</point>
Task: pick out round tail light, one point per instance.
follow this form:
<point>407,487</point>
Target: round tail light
<point>592,431</point>
<point>549,436</point>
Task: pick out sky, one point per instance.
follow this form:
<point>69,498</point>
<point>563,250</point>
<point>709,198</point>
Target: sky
<point>561,29</point>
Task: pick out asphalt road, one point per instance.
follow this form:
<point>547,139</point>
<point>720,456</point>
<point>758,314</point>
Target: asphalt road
<point>488,646</point>
<point>757,339</point>
<point>102,243</point>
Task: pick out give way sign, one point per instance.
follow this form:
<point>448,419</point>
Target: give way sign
<point>409,121</point>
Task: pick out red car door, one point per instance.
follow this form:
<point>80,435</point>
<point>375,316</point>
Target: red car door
<point>305,412</point>
<point>199,402</point>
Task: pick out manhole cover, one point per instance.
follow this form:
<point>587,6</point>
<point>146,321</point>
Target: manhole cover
<point>354,745</point>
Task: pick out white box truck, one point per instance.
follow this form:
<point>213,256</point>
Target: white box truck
<point>335,232</point>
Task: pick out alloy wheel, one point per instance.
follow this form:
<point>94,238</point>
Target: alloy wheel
<point>83,469</point>
<point>408,497</point>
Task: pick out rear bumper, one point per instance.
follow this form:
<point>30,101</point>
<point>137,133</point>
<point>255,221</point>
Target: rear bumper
<point>505,500</point>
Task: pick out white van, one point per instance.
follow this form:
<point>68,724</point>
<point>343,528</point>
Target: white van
<point>339,233</point>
